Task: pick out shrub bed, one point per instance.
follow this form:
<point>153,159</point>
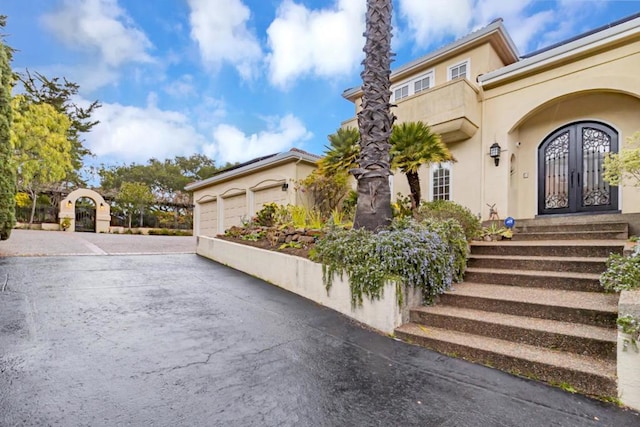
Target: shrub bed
<point>429,255</point>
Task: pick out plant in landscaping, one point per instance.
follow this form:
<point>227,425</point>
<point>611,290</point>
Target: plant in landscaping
<point>267,215</point>
<point>623,273</point>
<point>65,223</point>
<point>413,144</point>
<point>429,255</point>
<point>444,209</point>
<point>625,164</point>
<point>253,237</point>
<point>326,191</point>
<point>402,206</point>
<point>291,244</point>
<point>629,325</point>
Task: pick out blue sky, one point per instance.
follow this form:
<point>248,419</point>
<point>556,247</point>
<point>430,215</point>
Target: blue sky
<point>237,79</point>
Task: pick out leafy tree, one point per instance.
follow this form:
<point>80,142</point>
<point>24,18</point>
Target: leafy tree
<point>7,171</point>
<point>59,93</point>
<point>375,121</point>
<point>134,197</point>
<point>626,164</point>
<point>413,144</point>
<point>42,150</point>
<point>342,152</point>
<point>327,191</point>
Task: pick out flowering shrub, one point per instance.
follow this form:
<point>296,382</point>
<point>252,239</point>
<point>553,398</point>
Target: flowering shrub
<point>430,255</point>
<point>623,273</point>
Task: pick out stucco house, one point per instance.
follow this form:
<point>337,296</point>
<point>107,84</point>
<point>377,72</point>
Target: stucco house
<point>549,117</point>
<point>529,133</point>
<point>233,194</point>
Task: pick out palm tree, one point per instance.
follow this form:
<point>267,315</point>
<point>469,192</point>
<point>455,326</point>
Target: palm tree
<point>414,144</point>
<point>342,152</point>
<point>375,121</point>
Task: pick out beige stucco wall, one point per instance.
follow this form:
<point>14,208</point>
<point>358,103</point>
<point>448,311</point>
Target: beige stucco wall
<point>303,277</point>
<point>247,185</point>
<point>602,87</point>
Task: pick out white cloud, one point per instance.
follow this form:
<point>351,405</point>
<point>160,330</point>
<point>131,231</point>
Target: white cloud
<point>102,27</point>
<point>233,145</point>
<point>324,43</point>
<point>444,19</point>
<point>220,29</point>
<point>134,134</point>
<point>440,19</point>
<point>182,87</point>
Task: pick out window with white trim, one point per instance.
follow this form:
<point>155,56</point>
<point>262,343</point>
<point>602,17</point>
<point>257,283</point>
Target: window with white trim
<point>401,92</point>
<point>423,83</point>
<point>441,181</point>
<point>459,71</point>
<point>413,86</point>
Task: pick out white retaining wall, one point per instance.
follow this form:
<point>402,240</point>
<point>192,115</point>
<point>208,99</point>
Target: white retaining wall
<point>304,277</point>
<point>629,360</point>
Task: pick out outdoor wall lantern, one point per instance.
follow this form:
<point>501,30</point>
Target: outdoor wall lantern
<point>285,186</point>
<point>69,203</point>
<point>494,153</point>
<point>101,205</point>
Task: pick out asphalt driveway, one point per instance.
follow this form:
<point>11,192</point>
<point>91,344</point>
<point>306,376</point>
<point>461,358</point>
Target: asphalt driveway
<point>175,339</point>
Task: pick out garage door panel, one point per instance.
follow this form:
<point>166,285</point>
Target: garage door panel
<point>269,195</point>
<point>235,208</point>
<point>209,218</point>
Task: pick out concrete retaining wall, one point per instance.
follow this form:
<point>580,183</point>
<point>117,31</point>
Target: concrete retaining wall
<point>629,360</point>
<point>304,277</point>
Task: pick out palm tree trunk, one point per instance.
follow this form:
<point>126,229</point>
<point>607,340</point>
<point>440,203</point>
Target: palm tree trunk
<point>414,186</point>
<point>375,121</point>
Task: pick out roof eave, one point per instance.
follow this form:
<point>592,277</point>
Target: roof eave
<point>508,53</point>
<point>270,162</point>
<point>560,53</point>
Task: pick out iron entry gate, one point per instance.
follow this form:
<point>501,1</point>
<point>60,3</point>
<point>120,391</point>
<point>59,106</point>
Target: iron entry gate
<point>570,170</point>
<point>85,219</point>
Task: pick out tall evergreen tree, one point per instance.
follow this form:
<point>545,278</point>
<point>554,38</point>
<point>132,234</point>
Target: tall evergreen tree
<point>7,171</point>
<point>375,121</point>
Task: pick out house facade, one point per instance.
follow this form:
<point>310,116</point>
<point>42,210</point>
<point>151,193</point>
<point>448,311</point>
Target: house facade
<point>549,117</point>
<point>237,193</point>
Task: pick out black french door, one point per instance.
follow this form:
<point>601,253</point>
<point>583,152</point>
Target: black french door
<point>570,169</point>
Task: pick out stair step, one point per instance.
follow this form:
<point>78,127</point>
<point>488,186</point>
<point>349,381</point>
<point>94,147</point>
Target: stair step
<point>585,374</point>
<point>570,281</point>
<point>588,308</point>
<point>579,339</point>
<point>570,235</point>
<point>552,248</point>
<point>577,264</point>
<point>535,227</point>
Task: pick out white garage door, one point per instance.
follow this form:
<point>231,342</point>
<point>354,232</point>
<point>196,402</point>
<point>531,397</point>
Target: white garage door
<point>269,195</point>
<point>209,218</point>
<point>235,208</point>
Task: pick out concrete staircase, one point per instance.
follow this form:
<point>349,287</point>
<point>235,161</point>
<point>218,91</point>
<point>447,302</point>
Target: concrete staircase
<point>533,306</point>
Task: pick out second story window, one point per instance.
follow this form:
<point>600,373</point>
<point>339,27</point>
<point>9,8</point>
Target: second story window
<point>459,71</point>
<point>412,86</point>
<point>401,92</point>
<point>423,83</point>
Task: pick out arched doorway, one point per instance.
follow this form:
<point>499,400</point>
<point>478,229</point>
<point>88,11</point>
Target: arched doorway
<point>85,210</point>
<point>85,215</point>
<point>570,169</point>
